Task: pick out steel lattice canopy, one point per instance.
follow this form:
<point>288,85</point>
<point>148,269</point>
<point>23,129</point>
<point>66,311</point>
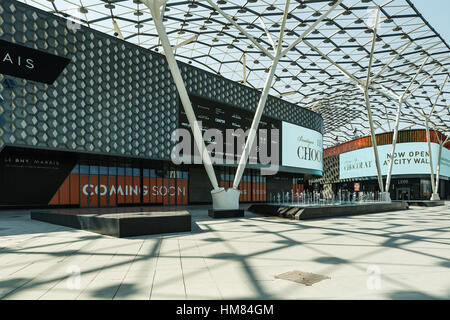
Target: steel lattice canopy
<point>306,75</point>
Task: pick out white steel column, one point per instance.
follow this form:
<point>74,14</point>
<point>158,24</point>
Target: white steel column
<point>394,143</point>
<point>259,110</point>
<point>374,141</point>
<point>434,196</point>
<point>255,124</point>
<point>154,6</point>
<point>261,104</point>
<point>438,168</point>
<point>434,185</point>
<point>226,199</point>
<point>365,89</point>
<point>397,121</point>
<point>365,85</point>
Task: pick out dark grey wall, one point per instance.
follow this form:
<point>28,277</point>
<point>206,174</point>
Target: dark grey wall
<point>113,98</point>
<point>199,186</point>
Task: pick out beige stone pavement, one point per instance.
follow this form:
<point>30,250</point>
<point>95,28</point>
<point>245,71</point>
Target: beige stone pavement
<point>392,255</point>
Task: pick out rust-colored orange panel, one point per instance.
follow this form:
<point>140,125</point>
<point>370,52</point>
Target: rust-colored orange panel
<point>120,189</point>
<point>93,196</point>
<point>264,190</point>
<point>55,199</point>
<point>260,188</point>
<point>182,191</point>
<point>173,191</point>
<point>165,190</point>
<point>128,194</point>
<point>74,188</point>
<point>146,189</point>
<point>184,184</point>
<point>151,189</point>
<point>246,183</point>
<point>62,195</point>
<point>64,192</point>
<point>159,185</point>
<point>136,187</point>
<point>112,195</point>
<point>103,191</point>
<point>85,190</point>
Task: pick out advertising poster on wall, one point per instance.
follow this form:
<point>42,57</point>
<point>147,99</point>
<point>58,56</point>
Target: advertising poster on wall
<point>103,186</point>
<point>302,148</point>
<point>409,158</point>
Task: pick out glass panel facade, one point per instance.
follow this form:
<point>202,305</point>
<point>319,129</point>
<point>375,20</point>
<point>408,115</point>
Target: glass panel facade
<point>116,184</point>
<point>109,186</point>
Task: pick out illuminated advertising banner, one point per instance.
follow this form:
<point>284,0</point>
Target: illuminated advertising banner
<point>302,148</point>
<point>409,158</point>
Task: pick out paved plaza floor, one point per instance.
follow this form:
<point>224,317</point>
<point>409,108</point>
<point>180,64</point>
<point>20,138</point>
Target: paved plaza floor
<point>392,255</point>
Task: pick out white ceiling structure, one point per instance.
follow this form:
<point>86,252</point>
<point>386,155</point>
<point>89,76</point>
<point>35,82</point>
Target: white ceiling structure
<point>318,73</point>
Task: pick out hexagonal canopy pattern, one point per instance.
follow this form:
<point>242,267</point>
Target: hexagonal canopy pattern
<point>307,75</point>
<point>113,98</point>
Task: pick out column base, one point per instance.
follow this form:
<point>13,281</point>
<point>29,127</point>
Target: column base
<point>435,197</point>
<point>386,197</point>
<point>225,199</point>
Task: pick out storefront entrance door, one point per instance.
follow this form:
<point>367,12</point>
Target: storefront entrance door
<point>403,194</point>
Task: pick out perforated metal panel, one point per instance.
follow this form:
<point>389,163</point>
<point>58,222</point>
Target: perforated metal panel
<point>213,87</point>
<point>330,171</point>
<point>113,98</point>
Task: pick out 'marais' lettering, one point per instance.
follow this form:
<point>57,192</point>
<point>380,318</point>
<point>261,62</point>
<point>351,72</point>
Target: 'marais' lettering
<point>8,58</point>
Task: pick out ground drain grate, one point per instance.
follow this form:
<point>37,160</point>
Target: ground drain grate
<point>305,278</point>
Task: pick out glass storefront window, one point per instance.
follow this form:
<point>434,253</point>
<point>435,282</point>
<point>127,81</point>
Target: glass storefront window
<point>425,188</point>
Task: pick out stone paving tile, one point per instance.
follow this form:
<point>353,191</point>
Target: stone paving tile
<point>233,259</point>
<point>100,289</point>
<point>134,290</point>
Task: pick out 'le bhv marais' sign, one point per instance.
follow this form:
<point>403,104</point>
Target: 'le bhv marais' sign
<point>30,64</point>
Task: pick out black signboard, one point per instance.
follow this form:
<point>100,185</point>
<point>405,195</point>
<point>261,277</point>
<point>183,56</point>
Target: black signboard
<point>214,115</point>
<point>30,64</point>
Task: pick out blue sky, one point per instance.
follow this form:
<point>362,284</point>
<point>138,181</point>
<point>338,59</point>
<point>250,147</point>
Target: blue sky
<point>437,13</point>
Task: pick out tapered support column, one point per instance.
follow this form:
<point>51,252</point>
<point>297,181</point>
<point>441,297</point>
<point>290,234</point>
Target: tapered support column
<point>280,52</point>
<point>438,169</point>
<point>374,145</point>
<point>394,143</point>
<point>365,88</point>
<point>254,126</point>
<point>435,195</point>
<point>154,7</point>
<point>401,100</point>
<point>261,103</point>
<point>442,143</point>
